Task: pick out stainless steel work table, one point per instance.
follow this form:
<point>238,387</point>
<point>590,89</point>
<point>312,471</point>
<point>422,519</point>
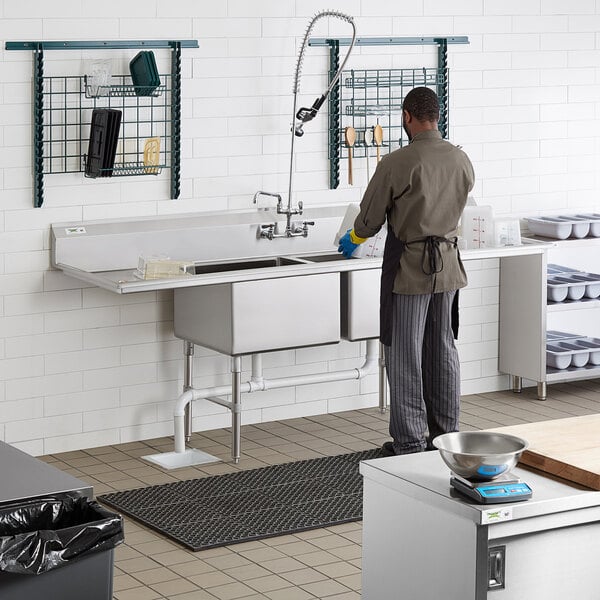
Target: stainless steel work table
<point>422,540</point>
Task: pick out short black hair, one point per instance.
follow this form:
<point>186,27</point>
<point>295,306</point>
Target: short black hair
<point>423,104</point>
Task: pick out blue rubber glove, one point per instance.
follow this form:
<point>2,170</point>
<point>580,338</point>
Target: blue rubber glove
<point>347,246</point>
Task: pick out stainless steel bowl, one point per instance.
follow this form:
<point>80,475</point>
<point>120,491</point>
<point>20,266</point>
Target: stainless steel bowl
<point>482,455</point>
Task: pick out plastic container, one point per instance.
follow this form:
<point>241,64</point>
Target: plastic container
<point>477,226</point>
<point>594,219</point>
<point>592,283</point>
<point>562,355</point>
<point>554,269</point>
<point>575,288</point>
<point>144,73</point>
<point>593,345</point>
<point>507,232</point>
<point>553,335</point>
<point>549,227</point>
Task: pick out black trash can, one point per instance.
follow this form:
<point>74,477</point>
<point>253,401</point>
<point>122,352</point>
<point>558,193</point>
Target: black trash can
<point>58,549</point>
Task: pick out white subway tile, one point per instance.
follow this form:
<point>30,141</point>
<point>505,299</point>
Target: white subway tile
<point>293,411</point>
<point>477,351</point>
<point>80,402</point>
<point>568,41</point>
<point>113,418</point>
<point>22,410</point>
<point>68,320</point>
<point>570,76</point>
<point>155,352</point>
<point>581,23</point>
<point>102,337</point>
<point>153,29</point>
<point>22,304</point>
<point>513,150</point>
<point>540,24</point>
<point>21,325</point>
<point>515,42</point>
<point>557,7</point>
<point>43,344</point>
<point>76,441</point>
<point>151,393</point>
<point>454,8</point>
<point>146,313</point>
<point>234,67</point>
<point>118,376</point>
<point>261,8</point>
<point>480,97</point>
<point>539,166</point>
<point>22,283</point>
<point>67,362</point>
<point>32,429</point>
<point>511,7</point>
<point>190,8</point>
<point>208,27</point>
<point>24,262</point>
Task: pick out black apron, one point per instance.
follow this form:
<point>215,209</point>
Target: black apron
<point>431,265</point>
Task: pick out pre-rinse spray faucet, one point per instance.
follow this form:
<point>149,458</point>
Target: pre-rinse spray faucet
<point>299,118</point>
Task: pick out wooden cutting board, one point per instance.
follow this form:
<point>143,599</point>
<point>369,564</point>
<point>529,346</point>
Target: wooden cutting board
<point>567,448</point>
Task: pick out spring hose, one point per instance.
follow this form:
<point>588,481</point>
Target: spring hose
<point>325,13</point>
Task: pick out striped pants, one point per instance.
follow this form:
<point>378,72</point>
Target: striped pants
<point>423,371</point>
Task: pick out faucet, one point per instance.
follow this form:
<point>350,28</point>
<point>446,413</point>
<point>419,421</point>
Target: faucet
<point>299,118</point>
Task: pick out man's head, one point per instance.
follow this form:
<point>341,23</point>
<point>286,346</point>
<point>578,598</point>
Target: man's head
<point>420,111</point>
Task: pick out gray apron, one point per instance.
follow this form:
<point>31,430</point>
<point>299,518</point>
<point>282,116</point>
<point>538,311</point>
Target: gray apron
<point>431,264</point>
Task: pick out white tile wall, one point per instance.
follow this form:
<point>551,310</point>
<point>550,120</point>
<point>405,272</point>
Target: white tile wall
<point>82,367</point>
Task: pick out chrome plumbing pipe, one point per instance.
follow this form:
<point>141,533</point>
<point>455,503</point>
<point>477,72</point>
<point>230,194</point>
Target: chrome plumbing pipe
<point>188,372</point>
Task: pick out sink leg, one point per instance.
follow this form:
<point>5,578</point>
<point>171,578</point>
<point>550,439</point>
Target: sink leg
<point>236,408</point>
<point>188,369</point>
<point>517,384</point>
<point>542,389</point>
<point>382,381</point>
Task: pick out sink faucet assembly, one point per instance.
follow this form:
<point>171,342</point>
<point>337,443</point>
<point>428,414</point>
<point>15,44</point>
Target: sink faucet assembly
<point>299,118</point>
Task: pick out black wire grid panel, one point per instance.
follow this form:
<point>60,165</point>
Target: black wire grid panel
<point>68,104</point>
<point>373,97</point>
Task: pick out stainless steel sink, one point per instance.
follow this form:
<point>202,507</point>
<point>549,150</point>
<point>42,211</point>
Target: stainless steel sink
<point>258,263</point>
<point>260,315</point>
<point>323,257</point>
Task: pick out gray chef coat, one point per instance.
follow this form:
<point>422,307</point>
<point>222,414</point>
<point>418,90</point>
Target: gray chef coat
<point>421,189</point>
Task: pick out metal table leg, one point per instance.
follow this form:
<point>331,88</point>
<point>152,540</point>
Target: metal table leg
<point>517,384</point>
<point>236,408</point>
<point>188,369</point>
<point>383,401</point>
<point>542,389</point>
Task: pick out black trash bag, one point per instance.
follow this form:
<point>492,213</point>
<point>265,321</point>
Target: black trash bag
<point>46,534</point>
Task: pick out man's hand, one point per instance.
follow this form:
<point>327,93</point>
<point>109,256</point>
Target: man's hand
<point>347,246</point>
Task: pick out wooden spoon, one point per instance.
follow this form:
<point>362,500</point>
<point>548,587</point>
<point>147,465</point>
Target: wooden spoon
<point>350,138</point>
<point>378,137</point>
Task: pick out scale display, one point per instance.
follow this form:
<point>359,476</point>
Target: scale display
<point>501,490</point>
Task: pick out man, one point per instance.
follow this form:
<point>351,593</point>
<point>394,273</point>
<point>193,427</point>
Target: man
<point>421,191</point>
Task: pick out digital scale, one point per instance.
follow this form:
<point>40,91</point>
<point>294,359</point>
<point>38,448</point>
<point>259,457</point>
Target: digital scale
<point>506,488</point>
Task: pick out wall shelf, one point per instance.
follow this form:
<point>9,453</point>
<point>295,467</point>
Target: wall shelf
<point>361,95</point>
<point>62,108</point>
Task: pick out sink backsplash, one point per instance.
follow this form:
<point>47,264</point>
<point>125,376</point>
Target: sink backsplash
<point>98,246</point>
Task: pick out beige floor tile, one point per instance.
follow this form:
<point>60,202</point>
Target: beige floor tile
<point>250,571</point>
<point>196,567</point>
<point>262,555</point>
<point>292,593</point>
<point>306,575</point>
<point>211,579</point>
<point>156,546</point>
<point>124,582</point>
<point>231,591</point>
<point>282,565</point>
<point>138,593</point>
<point>174,557</point>
<point>322,589</point>
<point>320,557</point>
<point>174,587</point>
<point>337,569</point>
<point>133,565</point>
<point>351,581</point>
<point>157,575</point>
<point>230,561</point>
<point>331,541</point>
<point>194,595</point>
<point>268,584</point>
<point>296,548</point>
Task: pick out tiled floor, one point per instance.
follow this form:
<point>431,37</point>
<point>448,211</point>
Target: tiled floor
<point>323,563</point>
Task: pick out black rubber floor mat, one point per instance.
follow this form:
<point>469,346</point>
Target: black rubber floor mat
<point>250,505</point>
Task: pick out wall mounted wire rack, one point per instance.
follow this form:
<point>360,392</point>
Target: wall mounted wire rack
<point>68,105</point>
<point>365,98</point>
<point>62,111</point>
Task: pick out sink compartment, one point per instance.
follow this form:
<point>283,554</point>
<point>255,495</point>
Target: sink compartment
<point>324,257</point>
<point>259,263</point>
<point>360,304</point>
<point>260,315</point>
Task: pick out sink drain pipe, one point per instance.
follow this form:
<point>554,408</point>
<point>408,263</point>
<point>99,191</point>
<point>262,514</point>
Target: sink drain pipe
<point>258,384</point>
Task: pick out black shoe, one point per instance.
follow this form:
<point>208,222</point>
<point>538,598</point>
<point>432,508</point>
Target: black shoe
<point>388,449</point>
